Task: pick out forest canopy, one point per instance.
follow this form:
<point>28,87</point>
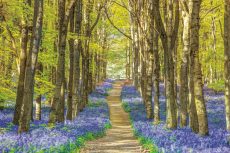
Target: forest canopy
<point>56,54</point>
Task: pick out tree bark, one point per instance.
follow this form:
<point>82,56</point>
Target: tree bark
<point>77,52</point>
<point>168,39</point>
<point>56,114</point>
<point>198,85</point>
<point>20,87</point>
<point>150,61</point>
<point>25,117</point>
<point>71,64</point>
<point>184,70</point>
<point>227,61</point>
<point>156,78</point>
<point>39,98</point>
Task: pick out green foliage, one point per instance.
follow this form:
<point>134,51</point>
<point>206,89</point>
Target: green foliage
<point>148,144</point>
<point>126,107</point>
<point>7,89</point>
<point>43,87</point>
<point>212,49</point>
<point>94,104</point>
<point>217,86</point>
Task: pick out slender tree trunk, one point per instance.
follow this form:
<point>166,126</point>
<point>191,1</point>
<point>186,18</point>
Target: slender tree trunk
<point>20,88</point>
<point>39,98</point>
<point>62,31</point>
<point>85,55</point>
<point>150,65</point>
<point>2,104</point>
<point>2,66</point>
<point>213,25</point>
<point>198,85</point>
<point>193,119</point>
<point>71,64</point>
<point>30,67</point>
<point>136,56</point>
<point>38,107</point>
<point>227,61</point>
<point>54,71</point>
<point>77,52</point>
<point>156,78</point>
<point>168,39</point>
<point>184,71</point>
<point>56,114</point>
<point>60,114</point>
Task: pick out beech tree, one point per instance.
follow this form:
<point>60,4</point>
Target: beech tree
<point>65,57</point>
<point>227,61</point>
<point>195,68</point>
<point>57,110</point>
<point>168,38</point>
<point>31,62</point>
<point>23,55</point>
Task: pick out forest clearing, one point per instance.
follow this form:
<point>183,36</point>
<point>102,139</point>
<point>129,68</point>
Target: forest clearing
<point>114,76</point>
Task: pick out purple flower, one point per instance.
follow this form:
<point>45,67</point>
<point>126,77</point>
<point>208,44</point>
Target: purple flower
<point>40,137</point>
<point>183,139</point>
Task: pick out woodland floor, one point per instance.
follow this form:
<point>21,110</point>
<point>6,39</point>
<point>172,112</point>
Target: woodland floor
<point>118,139</point>
<point>181,140</point>
<point>65,137</point>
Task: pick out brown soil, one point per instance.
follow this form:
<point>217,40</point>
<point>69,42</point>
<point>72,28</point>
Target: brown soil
<point>118,139</point>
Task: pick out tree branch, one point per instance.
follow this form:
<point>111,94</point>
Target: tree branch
<point>209,11</point>
<point>184,5</point>
<point>176,25</point>
<point>110,21</point>
<point>67,13</point>
<point>159,22</point>
<point>97,19</point>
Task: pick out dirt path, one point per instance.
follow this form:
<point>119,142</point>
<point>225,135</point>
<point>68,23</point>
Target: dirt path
<point>118,139</point>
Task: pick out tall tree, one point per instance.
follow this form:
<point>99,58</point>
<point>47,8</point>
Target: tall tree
<point>150,63</point>
<point>77,53</point>
<point>184,99</point>
<point>71,70</point>
<point>27,104</point>
<point>39,97</point>
<point>194,6</point>
<point>56,115</point>
<point>227,61</point>
<point>23,54</point>
<point>168,37</point>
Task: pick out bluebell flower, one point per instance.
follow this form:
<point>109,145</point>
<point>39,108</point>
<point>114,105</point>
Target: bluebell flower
<point>182,140</point>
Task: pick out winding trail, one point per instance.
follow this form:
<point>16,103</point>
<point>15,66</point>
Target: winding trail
<point>118,139</point>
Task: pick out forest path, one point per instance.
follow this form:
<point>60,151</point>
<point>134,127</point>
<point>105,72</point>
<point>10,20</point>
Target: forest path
<point>118,139</point>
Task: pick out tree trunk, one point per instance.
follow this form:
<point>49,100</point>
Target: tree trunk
<point>58,101</point>
<point>20,88</point>
<point>39,98</point>
<point>38,107</point>
<point>156,78</point>
<point>30,67</point>
<point>227,61</point>
<point>150,61</point>
<point>168,39</point>
<point>198,85</point>
<point>60,113</point>
<point>184,71</point>
<point>71,64</point>
<point>77,51</point>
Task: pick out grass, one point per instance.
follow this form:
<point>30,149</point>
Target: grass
<point>126,107</point>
